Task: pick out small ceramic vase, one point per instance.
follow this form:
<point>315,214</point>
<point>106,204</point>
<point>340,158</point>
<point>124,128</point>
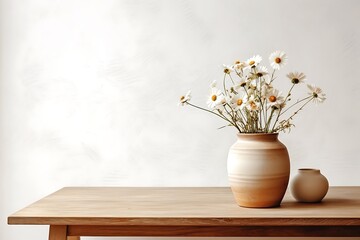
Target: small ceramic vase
<point>309,185</point>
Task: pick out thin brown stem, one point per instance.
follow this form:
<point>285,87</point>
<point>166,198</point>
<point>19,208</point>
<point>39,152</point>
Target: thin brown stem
<point>297,102</point>
<point>278,116</point>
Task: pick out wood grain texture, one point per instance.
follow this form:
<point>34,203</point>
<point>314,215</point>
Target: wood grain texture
<point>73,238</point>
<point>74,212</point>
<point>106,206</point>
<point>201,212</point>
<point>216,231</point>
<point>57,232</point>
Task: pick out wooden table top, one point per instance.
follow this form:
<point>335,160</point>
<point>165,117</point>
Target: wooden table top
<point>196,206</point>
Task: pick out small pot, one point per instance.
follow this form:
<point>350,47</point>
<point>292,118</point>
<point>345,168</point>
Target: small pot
<point>309,185</point>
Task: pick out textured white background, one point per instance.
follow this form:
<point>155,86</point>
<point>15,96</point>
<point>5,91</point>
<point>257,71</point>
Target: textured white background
<point>89,91</point>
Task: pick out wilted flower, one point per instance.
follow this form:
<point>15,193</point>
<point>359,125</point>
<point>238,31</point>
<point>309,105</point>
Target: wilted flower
<point>242,83</point>
<point>296,77</point>
<point>228,69</point>
<point>317,95</point>
<point>260,72</point>
<point>185,98</point>
<point>238,66</point>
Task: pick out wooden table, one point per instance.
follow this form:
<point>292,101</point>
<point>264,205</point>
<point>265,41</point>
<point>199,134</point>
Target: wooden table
<point>104,211</point>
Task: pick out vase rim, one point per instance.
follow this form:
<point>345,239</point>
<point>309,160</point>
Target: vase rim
<point>256,134</point>
<point>268,137</point>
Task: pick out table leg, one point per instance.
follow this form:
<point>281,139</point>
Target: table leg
<point>58,232</point>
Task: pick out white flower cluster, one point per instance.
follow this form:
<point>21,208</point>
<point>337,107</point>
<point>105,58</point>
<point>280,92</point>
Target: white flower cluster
<point>251,104</point>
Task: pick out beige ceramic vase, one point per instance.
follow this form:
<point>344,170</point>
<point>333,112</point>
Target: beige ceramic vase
<point>309,185</point>
<point>258,168</point>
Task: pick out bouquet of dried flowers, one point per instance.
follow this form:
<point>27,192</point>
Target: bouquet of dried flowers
<point>248,101</point>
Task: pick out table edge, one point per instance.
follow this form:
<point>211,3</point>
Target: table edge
<point>338,221</point>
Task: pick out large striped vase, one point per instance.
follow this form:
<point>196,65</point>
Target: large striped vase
<point>258,168</point>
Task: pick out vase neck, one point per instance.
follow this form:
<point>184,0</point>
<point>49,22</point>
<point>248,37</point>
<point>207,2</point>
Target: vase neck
<point>264,137</point>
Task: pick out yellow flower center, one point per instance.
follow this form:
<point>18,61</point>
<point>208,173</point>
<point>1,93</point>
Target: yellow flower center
<point>226,70</point>
<point>272,98</point>
<point>239,102</point>
<point>237,62</point>
<point>213,98</point>
<point>252,62</point>
<point>278,60</point>
<point>182,98</point>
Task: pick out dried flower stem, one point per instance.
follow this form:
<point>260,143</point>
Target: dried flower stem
<point>301,108</point>
<point>297,102</point>
<point>286,98</point>
<point>252,105</point>
<point>217,114</point>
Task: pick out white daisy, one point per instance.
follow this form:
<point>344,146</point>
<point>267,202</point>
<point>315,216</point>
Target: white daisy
<point>278,59</point>
<point>238,101</point>
<point>243,83</point>
<point>254,61</point>
<point>238,66</point>
<point>316,93</point>
<point>185,99</point>
<point>261,71</point>
<point>216,98</point>
<point>228,69</point>
<point>251,103</point>
<point>274,99</point>
<point>296,77</point>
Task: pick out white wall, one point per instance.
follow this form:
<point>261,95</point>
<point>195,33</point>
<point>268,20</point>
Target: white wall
<point>89,91</point>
